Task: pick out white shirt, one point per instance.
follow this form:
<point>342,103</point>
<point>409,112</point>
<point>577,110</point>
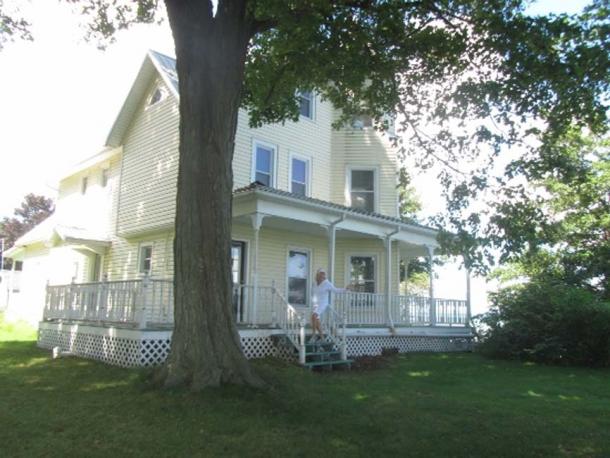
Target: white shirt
<point>320,294</point>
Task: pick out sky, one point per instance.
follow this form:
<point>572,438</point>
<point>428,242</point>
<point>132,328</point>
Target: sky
<point>59,96</point>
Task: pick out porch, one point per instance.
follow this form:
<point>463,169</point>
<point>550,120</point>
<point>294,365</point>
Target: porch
<point>148,304</point>
<point>129,323</point>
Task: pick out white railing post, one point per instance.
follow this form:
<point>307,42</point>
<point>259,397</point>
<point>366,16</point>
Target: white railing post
<point>468,297</point>
<point>102,302</point>
<point>72,295</point>
<point>142,303</point>
<point>431,273</point>
<point>273,311</point>
<point>343,339</point>
<point>302,342</point>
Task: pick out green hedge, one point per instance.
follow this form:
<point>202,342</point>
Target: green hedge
<point>547,322</point>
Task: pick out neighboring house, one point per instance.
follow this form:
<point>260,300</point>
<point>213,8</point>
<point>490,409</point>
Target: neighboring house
<point>10,280</point>
<point>305,196</point>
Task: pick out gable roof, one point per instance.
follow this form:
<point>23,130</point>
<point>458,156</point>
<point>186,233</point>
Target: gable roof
<point>154,64</point>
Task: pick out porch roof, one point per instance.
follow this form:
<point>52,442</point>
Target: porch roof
<point>266,201</point>
<point>49,232</point>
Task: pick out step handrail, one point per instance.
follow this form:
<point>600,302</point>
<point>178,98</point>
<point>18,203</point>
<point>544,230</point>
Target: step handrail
<point>334,325</point>
<point>292,322</point>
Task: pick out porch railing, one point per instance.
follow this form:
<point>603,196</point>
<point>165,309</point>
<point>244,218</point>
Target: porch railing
<point>367,309</point>
<point>139,302</point>
<point>147,302</point>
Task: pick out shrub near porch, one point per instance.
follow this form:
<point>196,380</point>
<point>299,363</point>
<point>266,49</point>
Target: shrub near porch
<point>420,405</point>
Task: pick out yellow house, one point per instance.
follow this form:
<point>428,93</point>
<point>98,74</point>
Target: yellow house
<point>306,196</point>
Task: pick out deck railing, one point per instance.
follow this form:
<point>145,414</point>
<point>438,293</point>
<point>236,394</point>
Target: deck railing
<point>150,302</point>
<point>366,309</point>
<point>138,302</point>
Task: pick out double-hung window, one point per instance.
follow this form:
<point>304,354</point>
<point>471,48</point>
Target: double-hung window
<point>145,259</point>
<point>362,189</point>
<point>362,273</point>
<point>298,277</point>
<point>299,175</point>
<point>306,103</point>
<point>263,163</point>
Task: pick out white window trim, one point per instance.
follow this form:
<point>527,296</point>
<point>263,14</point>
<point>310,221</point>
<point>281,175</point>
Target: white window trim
<point>348,265</point>
<point>274,148</point>
<point>152,257</point>
<point>348,184</point>
<point>309,273</point>
<point>313,107</point>
<point>308,161</point>
<point>246,253</point>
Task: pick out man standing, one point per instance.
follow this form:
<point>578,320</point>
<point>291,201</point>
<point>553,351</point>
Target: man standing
<point>320,301</point>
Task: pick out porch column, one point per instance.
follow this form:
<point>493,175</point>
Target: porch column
<point>468,296</point>
<point>387,241</point>
<point>431,274</point>
<point>332,236</point>
<point>257,221</point>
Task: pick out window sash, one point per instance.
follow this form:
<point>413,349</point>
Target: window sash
<point>298,186</point>
<point>264,166</point>
<point>146,259</point>
<point>363,273</point>
<point>298,277</point>
<point>306,104</point>
<point>362,189</point>
<point>363,200</point>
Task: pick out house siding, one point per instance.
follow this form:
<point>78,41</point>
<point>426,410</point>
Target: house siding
<point>149,174</point>
<point>150,161</point>
<point>365,148</point>
<point>122,260</point>
<point>274,244</point>
<point>94,209</point>
<point>311,138</point>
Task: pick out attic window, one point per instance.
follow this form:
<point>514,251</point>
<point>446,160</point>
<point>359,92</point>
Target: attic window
<point>157,95</point>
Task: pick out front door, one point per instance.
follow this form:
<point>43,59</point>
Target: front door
<point>238,272</point>
<point>298,277</point>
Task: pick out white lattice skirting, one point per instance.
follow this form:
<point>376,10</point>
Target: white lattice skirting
<point>141,348</point>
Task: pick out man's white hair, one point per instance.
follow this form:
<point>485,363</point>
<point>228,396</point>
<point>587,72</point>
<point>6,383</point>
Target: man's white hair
<point>321,271</point>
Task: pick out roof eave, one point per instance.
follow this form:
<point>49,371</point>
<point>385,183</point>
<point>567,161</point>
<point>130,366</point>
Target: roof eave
<point>339,212</point>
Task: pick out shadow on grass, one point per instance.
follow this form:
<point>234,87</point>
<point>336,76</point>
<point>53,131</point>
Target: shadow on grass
<point>430,405</point>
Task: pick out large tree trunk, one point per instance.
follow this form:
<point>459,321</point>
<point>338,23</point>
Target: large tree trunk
<point>210,59</point>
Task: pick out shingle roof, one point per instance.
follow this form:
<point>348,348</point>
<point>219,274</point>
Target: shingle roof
<point>258,187</point>
<point>167,65</point>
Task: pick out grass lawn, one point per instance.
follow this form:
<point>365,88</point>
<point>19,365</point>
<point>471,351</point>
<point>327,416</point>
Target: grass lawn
<point>420,405</point>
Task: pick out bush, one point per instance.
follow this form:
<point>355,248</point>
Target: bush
<point>547,322</point>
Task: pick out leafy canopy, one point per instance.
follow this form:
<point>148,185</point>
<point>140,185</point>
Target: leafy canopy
<point>480,88</point>
<point>33,210</point>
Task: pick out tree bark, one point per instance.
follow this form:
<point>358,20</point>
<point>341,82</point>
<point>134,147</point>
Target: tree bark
<point>210,59</point>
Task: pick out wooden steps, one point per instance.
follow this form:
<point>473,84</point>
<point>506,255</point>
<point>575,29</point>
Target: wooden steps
<point>322,354</point>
